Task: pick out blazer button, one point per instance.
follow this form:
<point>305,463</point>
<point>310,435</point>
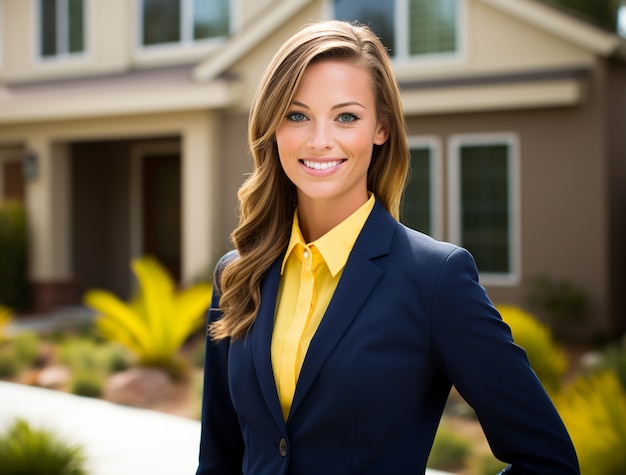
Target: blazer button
<point>282,447</point>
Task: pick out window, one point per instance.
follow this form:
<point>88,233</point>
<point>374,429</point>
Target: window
<point>183,21</point>
<point>484,203</point>
<point>414,28</point>
<point>62,27</point>
<point>420,204</point>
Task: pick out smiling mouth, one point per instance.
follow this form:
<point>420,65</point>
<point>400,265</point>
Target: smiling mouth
<point>321,165</point>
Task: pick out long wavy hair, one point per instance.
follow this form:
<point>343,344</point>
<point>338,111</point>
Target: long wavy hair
<point>268,198</point>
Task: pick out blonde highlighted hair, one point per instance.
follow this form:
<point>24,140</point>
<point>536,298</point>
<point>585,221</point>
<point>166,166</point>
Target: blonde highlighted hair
<point>267,198</point>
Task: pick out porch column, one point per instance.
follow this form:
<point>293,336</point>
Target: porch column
<point>49,216</point>
<point>199,175</point>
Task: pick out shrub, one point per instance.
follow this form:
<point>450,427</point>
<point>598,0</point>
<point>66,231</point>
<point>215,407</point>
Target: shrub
<point>614,358</point>
<point>9,365</point>
<point>26,347</point>
<point>486,464</point>
<point>87,383</point>
<point>546,357</point>
<point>156,324</point>
<point>561,301</point>
<point>594,411</point>
<point>85,354</point>
<point>25,450</point>
<point>13,255</point>
<point>449,450</point>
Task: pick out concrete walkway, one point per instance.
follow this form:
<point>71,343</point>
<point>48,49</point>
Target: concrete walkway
<point>118,440</point>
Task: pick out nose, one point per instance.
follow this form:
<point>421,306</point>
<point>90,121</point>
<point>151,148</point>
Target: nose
<point>321,137</point>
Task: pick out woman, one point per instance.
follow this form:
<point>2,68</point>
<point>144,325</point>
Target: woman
<point>335,332</point>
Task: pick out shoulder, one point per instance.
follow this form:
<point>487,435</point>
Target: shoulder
<point>425,245</point>
<point>224,261</point>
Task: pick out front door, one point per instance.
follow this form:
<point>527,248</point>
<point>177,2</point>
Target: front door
<point>161,200</point>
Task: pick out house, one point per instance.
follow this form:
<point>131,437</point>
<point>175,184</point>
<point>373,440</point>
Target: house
<point>123,128</point>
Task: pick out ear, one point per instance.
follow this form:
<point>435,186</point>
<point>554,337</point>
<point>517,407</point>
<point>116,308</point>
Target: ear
<point>382,131</point>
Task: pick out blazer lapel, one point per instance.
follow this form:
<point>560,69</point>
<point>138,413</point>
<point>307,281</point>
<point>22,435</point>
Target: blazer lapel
<point>261,335</point>
<point>359,278</point>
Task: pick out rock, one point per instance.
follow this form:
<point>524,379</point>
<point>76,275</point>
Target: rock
<point>141,387</point>
<point>53,377</point>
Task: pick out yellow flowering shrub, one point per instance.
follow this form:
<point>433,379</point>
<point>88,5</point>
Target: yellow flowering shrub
<point>546,357</point>
<point>594,411</point>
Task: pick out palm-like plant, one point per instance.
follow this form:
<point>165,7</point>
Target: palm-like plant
<point>156,323</point>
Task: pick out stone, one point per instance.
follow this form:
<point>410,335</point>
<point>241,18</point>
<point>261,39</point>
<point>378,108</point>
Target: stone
<point>53,377</point>
<point>141,387</point>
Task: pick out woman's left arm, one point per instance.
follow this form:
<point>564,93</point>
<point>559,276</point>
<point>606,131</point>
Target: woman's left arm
<point>475,349</point>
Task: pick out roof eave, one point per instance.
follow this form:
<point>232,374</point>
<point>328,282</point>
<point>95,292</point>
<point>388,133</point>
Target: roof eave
<point>241,44</point>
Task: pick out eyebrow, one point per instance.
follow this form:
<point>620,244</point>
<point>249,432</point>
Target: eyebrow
<point>336,106</point>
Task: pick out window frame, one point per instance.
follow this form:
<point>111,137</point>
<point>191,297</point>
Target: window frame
<point>401,27</point>
<point>511,140</point>
<point>187,41</point>
<point>64,55</point>
<point>433,143</point>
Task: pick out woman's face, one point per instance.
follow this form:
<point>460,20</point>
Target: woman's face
<point>326,139</point>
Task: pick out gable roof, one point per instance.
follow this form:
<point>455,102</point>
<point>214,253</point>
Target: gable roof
<point>555,21</point>
<point>563,25</point>
<point>239,45</point>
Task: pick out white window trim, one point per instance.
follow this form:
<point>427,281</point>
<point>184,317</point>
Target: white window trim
<point>402,34</point>
<point>61,20</point>
<point>436,180</point>
<point>455,142</point>
<point>187,44</point>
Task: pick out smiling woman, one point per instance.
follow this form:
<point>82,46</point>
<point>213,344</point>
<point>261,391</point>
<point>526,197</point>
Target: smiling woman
<point>326,140</point>
<point>336,332</point>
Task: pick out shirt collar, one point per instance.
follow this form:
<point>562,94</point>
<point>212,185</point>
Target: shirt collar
<point>334,246</point>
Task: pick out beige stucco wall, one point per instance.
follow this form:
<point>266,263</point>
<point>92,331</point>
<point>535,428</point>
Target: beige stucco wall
<point>563,179</point>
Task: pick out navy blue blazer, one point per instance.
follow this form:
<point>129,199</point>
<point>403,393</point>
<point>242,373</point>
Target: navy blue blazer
<point>408,320</point>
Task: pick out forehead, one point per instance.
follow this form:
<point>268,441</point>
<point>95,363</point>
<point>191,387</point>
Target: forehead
<point>330,74</point>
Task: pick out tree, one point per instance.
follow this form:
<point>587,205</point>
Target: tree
<point>601,12</point>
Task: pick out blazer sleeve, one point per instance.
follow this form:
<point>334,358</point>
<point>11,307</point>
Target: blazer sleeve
<point>221,444</point>
<point>474,347</point>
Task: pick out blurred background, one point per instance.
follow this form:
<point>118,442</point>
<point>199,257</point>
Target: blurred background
<point>123,143</point>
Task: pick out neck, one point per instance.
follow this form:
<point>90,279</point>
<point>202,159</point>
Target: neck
<point>317,217</point>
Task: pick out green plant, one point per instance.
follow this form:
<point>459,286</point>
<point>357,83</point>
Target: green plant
<point>155,324</point>
<point>14,288</point>
<point>9,364</point>
<point>6,317</point>
<point>86,354</point>
<point>593,409</point>
<point>561,301</point>
<point>546,357</point>
<point>449,450</point>
<point>26,450</point>
<point>87,383</point>
<point>614,358</point>
<point>26,347</point>
<point>485,464</point>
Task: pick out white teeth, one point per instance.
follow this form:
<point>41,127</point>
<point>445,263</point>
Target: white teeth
<point>320,165</point>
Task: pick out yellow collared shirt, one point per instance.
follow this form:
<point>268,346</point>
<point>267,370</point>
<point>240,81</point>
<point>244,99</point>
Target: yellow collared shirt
<point>309,276</point>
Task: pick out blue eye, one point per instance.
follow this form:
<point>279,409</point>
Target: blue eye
<point>347,117</point>
<point>296,117</point>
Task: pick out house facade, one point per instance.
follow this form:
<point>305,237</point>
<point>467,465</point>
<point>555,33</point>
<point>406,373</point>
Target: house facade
<point>123,129</point>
